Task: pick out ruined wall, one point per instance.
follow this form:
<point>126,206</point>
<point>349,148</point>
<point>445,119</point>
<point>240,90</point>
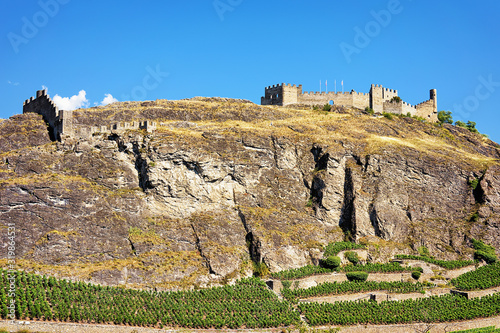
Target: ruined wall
<point>62,125</point>
<point>42,104</point>
<point>86,132</point>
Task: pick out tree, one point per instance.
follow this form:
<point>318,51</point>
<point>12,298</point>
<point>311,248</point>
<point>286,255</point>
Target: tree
<point>460,124</point>
<point>445,117</point>
<point>471,126</point>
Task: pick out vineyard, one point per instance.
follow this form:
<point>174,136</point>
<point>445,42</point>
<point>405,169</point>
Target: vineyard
<point>348,287</point>
<point>334,248</point>
<point>250,304</point>
<point>448,264</point>
<point>311,270</point>
<point>482,278</point>
<point>427,310</point>
<point>489,329</point>
<point>247,304</point>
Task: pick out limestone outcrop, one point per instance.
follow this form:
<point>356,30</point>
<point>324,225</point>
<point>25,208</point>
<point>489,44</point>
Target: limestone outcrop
<point>201,202</point>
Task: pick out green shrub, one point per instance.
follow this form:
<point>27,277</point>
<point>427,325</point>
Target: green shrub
<point>423,251</point>
<point>369,110</point>
<point>352,257</point>
<point>418,269</point>
<point>286,284</point>
<point>416,274</point>
<point>260,269</point>
<point>488,257</point>
<point>473,183</point>
<point>387,115</point>
<point>332,262</point>
<point>396,99</point>
<point>484,251</point>
<point>357,276</point>
<point>327,107</point>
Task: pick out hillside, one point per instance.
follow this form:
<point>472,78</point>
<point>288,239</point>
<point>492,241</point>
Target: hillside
<point>222,183</point>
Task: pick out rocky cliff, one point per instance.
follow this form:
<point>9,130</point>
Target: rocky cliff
<point>223,185</point>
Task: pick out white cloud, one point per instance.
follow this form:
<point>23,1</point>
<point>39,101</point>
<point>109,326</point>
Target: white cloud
<point>108,99</point>
<point>13,83</point>
<point>73,102</point>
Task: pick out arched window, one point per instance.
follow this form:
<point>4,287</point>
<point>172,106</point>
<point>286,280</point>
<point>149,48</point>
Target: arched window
<point>331,103</point>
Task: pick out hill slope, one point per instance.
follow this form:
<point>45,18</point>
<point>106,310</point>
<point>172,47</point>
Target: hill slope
<point>222,183</point>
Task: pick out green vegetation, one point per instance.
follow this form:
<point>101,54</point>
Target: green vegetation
<point>471,125</point>
<point>396,99</point>
<point>357,276</point>
<point>309,270</point>
<point>416,274</point>
<point>482,278</point>
<point>428,310</point>
<point>301,272</point>
<point>260,269</point>
<point>352,257</point>
<point>484,251</point>
<point>327,107</point>
<point>392,267</point>
<point>489,329</point>
<point>369,110</point>
<point>349,287</point>
<point>473,183</point>
<point>332,262</point>
<point>248,303</point>
<point>424,251</point>
<point>388,115</point>
<point>448,264</point>
<point>445,117</point>
<point>335,247</point>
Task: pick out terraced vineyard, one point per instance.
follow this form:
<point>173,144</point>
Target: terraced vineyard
<point>247,304</point>
<point>448,264</point>
<point>348,287</point>
<point>489,329</point>
<point>250,304</point>
<point>482,278</point>
<point>428,310</point>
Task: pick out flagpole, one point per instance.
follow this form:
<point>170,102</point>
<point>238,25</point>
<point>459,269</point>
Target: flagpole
<point>335,86</point>
<point>326,85</point>
<point>342,86</point>
<point>320,86</point>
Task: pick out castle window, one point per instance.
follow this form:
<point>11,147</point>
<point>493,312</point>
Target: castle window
<point>331,103</point>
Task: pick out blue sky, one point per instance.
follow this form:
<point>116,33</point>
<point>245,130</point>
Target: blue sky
<point>144,50</point>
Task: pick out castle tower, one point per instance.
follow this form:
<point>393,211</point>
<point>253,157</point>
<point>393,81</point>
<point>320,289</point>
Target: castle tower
<point>433,97</point>
<point>377,98</point>
<point>281,94</point>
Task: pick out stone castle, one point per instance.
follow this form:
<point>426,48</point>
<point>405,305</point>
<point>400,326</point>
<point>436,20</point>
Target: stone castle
<point>63,126</point>
<point>380,99</point>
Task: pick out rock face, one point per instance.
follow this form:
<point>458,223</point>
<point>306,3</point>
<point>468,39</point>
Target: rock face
<point>203,202</point>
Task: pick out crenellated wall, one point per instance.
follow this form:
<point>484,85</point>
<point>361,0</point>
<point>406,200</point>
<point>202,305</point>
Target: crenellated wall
<point>379,99</point>
<point>62,125</point>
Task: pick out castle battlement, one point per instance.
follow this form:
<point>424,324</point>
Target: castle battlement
<point>62,125</point>
<point>378,99</point>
